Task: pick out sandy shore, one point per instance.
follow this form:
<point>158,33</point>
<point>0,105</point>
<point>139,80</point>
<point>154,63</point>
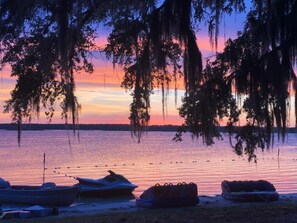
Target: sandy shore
<point>211,209</point>
<point>91,207</point>
<point>101,206</point>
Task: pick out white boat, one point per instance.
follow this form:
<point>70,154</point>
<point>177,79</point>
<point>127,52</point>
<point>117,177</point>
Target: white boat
<point>110,185</point>
<point>47,194</point>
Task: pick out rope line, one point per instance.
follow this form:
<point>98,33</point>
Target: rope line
<point>124,164</point>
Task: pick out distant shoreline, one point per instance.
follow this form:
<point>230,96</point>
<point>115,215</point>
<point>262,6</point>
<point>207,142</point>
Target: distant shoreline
<point>103,127</point>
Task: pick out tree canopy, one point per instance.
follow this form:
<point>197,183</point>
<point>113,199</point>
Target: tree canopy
<point>48,42</point>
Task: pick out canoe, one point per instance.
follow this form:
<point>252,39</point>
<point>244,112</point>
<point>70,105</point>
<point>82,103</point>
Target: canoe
<point>47,194</point>
<point>110,185</point>
<point>169,195</point>
<point>249,191</point>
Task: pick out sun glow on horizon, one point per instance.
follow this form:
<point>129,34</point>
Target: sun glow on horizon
<point>100,95</point>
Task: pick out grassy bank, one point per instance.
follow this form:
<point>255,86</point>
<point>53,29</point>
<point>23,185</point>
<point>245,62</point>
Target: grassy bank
<point>257,214</point>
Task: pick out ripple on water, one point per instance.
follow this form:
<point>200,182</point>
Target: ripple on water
<point>155,160</point>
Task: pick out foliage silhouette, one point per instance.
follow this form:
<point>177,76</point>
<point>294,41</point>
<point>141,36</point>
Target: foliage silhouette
<point>48,42</point>
<point>257,81</point>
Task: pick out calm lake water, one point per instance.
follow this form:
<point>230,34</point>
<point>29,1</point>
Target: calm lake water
<point>157,159</point>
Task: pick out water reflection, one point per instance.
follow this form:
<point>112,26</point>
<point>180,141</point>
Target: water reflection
<point>157,159</point>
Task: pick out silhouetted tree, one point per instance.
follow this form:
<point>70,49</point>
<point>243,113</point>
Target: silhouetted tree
<point>47,42</point>
<point>257,71</point>
<point>159,47</point>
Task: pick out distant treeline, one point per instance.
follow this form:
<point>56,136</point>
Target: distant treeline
<point>105,127</point>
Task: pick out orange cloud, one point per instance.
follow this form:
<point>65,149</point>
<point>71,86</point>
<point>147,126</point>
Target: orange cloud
<point>102,98</point>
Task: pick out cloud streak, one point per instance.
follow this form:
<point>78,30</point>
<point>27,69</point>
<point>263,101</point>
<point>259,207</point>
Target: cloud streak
<point>100,94</point>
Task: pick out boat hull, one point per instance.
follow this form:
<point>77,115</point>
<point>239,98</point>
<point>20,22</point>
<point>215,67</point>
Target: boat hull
<point>251,196</point>
<point>249,191</point>
<point>89,190</point>
<point>33,195</point>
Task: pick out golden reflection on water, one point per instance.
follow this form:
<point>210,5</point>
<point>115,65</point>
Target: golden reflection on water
<point>157,159</point>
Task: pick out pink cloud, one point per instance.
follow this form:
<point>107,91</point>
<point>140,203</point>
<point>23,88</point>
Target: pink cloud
<point>102,98</point>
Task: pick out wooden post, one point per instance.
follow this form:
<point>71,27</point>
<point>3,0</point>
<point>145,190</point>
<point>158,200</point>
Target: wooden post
<point>278,158</point>
<point>43,167</point>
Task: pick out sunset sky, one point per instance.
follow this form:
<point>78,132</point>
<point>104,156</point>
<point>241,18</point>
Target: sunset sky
<point>104,101</point>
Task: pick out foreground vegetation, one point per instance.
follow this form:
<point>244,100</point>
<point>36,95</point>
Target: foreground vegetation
<point>272,212</point>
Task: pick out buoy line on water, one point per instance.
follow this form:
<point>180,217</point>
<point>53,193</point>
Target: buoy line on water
<point>133,164</point>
